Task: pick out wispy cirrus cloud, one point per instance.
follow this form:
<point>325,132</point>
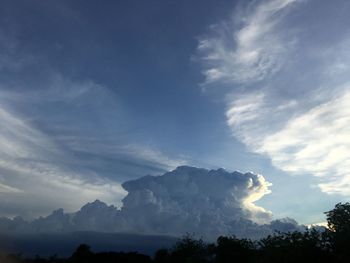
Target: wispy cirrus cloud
<point>290,95</point>
<point>248,49</point>
<point>46,160</point>
<point>62,140</point>
<point>33,166</point>
<point>8,189</point>
<point>316,142</point>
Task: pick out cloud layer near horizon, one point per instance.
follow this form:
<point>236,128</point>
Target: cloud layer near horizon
<point>206,202</point>
<point>288,94</point>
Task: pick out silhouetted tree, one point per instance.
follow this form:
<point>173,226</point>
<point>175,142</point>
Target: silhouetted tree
<point>114,257</point>
<point>191,250</point>
<point>338,218</point>
<point>295,246</point>
<point>83,254</point>
<point>339,231</point>
<point>233,249</point>
<point>162,256</point>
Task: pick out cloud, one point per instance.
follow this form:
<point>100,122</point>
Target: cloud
<point>249,49</point>
<point>61,137</point>
<point>32,166</point>
<point>8,189</point>
<point>9,57</point>
<point>295,113</point>
<point>193,199</point>
<point>316,142</point>
<point>285,225</point>
<point>42,167</point>
<point>207,202</point>
<point>153,156</point>
<point>244,109</point>
<point>313,139</point>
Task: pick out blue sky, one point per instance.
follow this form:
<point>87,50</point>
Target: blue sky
<point>93,94</point>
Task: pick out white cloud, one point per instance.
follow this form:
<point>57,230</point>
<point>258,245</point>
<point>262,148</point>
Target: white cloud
<point>314,142</point>
<point>248,50</point>
<point>38,165</point>
<point>317,142</point>
<point>8,189</point>
<point>243,113</point>
<point>199,200</point>
<point>153,155</point>
<point>299,117</point>
<point>244,109</point>
<point>188,199</point>
<point>33,166</point>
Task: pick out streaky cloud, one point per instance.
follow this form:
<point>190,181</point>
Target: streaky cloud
<point>288,95</point>
<point>42,169</point>
<point>249,49</point>
<point>316,142</point>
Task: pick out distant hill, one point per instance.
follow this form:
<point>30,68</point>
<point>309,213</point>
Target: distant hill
<point>64,244</point>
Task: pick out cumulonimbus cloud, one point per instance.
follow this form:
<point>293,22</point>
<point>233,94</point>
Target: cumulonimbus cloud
<point>200,193</point>
<point>188,199</point>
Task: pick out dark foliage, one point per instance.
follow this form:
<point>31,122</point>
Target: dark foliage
<point>308,246</point>
<point>241,250</point>
<point>339,231</point>
<point>83,254</point>
<point>330,245</point>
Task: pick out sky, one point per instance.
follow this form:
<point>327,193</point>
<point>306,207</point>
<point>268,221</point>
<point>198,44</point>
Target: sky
<point>96,94</point>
